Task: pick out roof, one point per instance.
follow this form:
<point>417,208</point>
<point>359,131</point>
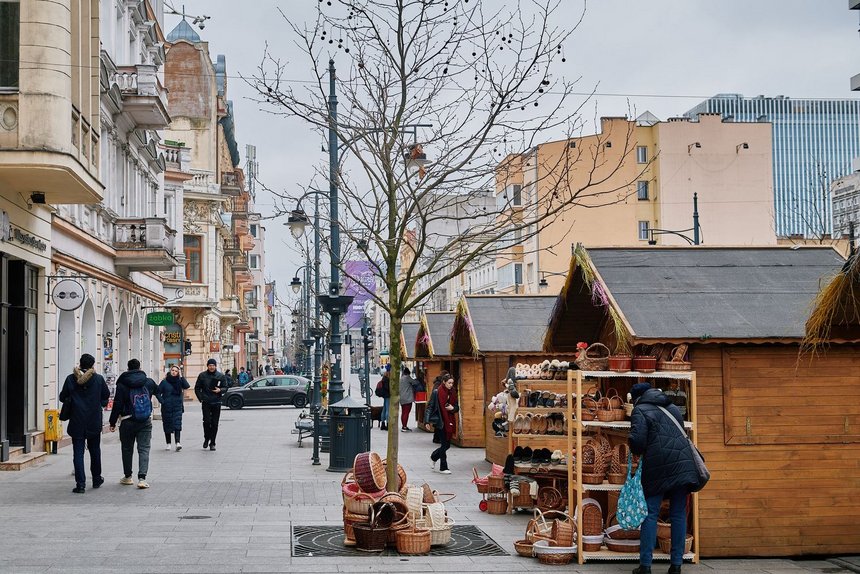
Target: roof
<point>439,328</point>
<point>701,293</point>
<point>410,334</point>
<point>183,31</point>
<point>507,323</point>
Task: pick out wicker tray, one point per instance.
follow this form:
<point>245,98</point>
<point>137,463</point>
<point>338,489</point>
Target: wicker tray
<point>675,366</point>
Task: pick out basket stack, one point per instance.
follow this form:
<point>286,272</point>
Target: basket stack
<point>435,519</point>
<point>365,488</point>
<point>549,538</point>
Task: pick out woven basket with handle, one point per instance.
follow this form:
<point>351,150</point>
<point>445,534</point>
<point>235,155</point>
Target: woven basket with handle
<point>594,358</point>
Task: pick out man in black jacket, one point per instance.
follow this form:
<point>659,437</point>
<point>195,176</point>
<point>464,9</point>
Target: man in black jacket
<point>87,394</point>
<point>210,385</point>
<point>133,390</point>
<point>668,470</point>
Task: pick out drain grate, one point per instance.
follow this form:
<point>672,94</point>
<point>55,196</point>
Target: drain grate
<point>466,540</point>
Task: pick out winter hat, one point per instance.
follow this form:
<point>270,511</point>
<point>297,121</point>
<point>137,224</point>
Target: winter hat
<point>211,362</point>
<point>87,361</point>
<point>638,390</point>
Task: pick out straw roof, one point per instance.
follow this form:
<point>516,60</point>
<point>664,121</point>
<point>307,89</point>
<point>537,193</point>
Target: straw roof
<point>409,334</point>
<point>689,294</point>
<point>501,324</point>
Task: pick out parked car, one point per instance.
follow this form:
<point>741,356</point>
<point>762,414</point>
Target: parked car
<point>269,390</point>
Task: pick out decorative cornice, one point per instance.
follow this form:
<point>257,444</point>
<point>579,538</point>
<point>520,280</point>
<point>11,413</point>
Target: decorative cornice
<point>96,273</point>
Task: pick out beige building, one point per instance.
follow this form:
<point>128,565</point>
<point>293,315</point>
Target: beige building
<point>634,183</point>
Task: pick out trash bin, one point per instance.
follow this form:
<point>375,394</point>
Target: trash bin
<point>348,431</point>
<point>53,430</point>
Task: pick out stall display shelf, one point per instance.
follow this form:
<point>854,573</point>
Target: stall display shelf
<point>541,410</point>
<point>536,435</point>
<point>528,468</point>
<point>576,428</point>
<point>541,382</point>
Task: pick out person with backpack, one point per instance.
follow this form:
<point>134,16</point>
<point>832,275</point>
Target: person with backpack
<point>85,394</point>
<point>383,390</point>
<point>244,376</point>
<point>132,407</point>
<point>172,398</point>
<point>209,387</point>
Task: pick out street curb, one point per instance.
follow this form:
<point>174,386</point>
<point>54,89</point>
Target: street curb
<point>845,564</point>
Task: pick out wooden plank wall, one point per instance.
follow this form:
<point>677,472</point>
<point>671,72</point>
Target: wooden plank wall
<point>767,498</point>
<point>470,388</point>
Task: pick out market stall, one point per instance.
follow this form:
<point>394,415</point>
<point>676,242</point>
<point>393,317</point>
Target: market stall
<point>432,353</point>
<point>778,426</point>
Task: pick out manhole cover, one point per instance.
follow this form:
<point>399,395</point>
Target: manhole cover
<point>194,517</point>
<point>466,540</point>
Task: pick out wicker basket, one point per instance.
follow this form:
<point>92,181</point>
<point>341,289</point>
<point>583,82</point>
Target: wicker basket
<point>620,363</point>
<point>480,482</point>
<point>359,502</point>
<point>592,543</point>
<point>645,364</point>
<point>549,498</point>
<point>523,499</point>
<point>594,358</point>
<point>369,472</point>
<point>372,536</point>
<point>495,484</point>
<point>666,544</point>
<point>675,366</point>
<point>413,541</point>
<point>562,531</point>
<point>540,526</point>
<point>605,413</point>
<point>618,464</point>
<point>623,545</point>
<point>617,533</point>
<point>664,529</point>
<point>414,499</point>
<point>350,520</point>
<point>440,533</point>
<point>497,505</point>
<point>524,548</point>
<point>616,478</point>
<point>550,553</point>
<point>592,517</point>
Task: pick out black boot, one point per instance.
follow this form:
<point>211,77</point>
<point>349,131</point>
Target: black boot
<point>642,570</point>
<point>674,569</point>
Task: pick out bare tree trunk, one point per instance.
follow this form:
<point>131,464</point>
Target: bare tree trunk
<point>394,406</point>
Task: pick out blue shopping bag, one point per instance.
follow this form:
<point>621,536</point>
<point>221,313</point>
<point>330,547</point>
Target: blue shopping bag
<point>632,508</point>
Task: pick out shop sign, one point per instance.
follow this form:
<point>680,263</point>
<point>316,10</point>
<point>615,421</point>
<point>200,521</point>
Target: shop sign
<point>159,318</point>
<point>68,295</point>
<point>8,233</point>
<point>214,347</point>
<point>172,338</point>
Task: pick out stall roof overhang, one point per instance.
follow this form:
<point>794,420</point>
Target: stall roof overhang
<point>503,324</point>
<point>709,293</point>
<point>410,335</point>
<point>438,335</point>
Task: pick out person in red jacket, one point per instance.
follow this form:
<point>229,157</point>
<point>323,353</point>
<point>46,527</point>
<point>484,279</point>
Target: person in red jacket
<point>447,408</point>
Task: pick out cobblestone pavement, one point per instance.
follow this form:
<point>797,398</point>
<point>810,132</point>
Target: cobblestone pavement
<point>251,491</point>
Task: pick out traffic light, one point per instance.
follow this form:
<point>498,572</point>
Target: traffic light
<point>187,347</point>
<point>367,337</point>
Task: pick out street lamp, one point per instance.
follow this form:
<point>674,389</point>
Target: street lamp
<point>297,221</point>
<point>296,285</point>
<point>680,233</point>
<point>543,283</point>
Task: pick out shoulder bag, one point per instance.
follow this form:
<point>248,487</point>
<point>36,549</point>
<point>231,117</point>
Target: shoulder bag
<point>702,471</point>
<point>632,507</point>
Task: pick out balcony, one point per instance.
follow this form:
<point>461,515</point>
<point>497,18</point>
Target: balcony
<point>232,247</point>
<point>246,242</point>
<point>196,295</point>
<point>231,184</point>
<point>177,157</point>
<point>229,308</point>
<point>144,244</point>
<point>240,207</point>
<point>144,99</point>
<point>240,262</point>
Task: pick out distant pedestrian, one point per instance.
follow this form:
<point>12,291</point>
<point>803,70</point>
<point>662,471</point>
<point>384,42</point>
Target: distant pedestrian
<point>407,397</point>
<point>172,398</point>
<point>668,470</point>
<point>383,391</point>
<point>87,395</point>
<point>132,405</point>
<point>445,407</point>
<point>229,376</point>
<point>260,371</point>
<point>244,376</point>
<point>209,387</point>
<point>269,369</point>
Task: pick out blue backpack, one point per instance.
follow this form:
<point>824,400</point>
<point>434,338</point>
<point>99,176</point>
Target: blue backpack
<point>141,404</point>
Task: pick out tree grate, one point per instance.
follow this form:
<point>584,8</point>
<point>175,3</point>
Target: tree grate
<point>466,540</point>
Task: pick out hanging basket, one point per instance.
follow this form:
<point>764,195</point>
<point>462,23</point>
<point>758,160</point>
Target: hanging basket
<point>369,472</point>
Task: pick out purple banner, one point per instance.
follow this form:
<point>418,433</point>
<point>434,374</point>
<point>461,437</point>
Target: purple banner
<point>361,284</point>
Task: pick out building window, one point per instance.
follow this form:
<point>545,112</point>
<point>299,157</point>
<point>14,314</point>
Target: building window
<point>641,154</point>
<point>254,230</point>
<point>193,259</point>
<point>644,227</point>
<point>254,261</point>
<point>10,28</point>
<point>642,190</point>
<point>517,195</point>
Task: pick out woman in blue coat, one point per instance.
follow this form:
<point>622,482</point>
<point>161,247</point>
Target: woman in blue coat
<point>172,400</point>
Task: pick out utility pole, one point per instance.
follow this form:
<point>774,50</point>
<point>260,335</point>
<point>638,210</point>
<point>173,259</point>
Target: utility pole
<point>695,218</point>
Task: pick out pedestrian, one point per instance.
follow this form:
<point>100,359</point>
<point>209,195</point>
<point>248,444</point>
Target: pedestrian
<point>269,369</point>
<point>209,387</point>
<point>171,395</point>
<point>383,390</point>
<point>437,381</point>
<point>445,408</point>
<point>407,397</point>
<point>260,371</point>
<point>668,470</point>
<point>132,406</point>
<point>229,376</point>
<point>244,377</point>
<point>87,394</point>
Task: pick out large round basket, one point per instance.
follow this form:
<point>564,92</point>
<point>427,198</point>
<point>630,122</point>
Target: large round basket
<point>664,529</point>
<point>592,543</point>
<point>440,534</point>
<point>524,548</point>
<point>370,538</point>
<point>630,546</point>
<point>413,541</point>
<point>369,472</point>
<point>617,533</point>
<point>548,552</point>
<point>401,479</point>
<point>356,501</point>
<point>666,544</point>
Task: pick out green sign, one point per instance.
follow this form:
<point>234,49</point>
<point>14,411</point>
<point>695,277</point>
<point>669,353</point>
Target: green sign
<point>159,318</point>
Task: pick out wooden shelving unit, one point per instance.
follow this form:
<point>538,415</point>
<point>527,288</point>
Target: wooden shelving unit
<point>577,427</point>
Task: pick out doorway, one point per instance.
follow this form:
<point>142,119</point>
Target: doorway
<point>18,338</point>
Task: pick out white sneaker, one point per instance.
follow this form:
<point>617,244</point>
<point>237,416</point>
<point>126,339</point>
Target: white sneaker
<point>126,480</point>
<point>444,472</point>
<point>167,447</point>
<point>178,447</point>
<point>142,483</point>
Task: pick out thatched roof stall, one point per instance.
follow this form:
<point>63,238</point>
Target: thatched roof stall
<point>779,428</point>
<point>408,336</point>
<point>434,334</point>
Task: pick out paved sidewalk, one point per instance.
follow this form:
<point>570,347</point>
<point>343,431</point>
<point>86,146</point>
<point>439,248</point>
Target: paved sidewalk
<point>252,489</point>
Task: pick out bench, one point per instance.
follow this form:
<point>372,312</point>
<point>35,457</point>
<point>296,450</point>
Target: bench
<point>305,429</point>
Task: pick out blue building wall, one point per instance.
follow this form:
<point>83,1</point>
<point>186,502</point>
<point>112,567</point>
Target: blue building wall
<point>814,142</point>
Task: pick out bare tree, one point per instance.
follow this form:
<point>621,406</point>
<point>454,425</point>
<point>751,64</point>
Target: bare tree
<point>482,79</point>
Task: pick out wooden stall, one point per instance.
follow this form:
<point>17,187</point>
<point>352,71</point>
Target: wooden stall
<point>432,353</point>
<point>490,334</point>
<point>779,427</point>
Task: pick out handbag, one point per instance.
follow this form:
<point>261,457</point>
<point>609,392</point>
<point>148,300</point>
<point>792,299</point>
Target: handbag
<point>66,410</point>
<point>702,472</point>
<point>632,508</point>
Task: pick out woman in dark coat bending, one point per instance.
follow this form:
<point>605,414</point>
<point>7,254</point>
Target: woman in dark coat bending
<point>668,470</point>
<point>172,404</point>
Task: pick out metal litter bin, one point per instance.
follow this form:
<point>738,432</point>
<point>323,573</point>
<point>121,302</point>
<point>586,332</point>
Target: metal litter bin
<point>348,432</point>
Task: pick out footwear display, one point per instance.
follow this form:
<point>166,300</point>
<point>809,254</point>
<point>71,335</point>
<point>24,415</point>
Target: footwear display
<point>98,481</point>
<point>178,447</point>
<point>79,490</point>
<point>126,480</point>
<point>142,483</point>
<point>206,443</point>
<point>518,454</point>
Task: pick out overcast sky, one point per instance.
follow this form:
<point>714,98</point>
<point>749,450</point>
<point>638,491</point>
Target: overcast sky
<point>661,55</point>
